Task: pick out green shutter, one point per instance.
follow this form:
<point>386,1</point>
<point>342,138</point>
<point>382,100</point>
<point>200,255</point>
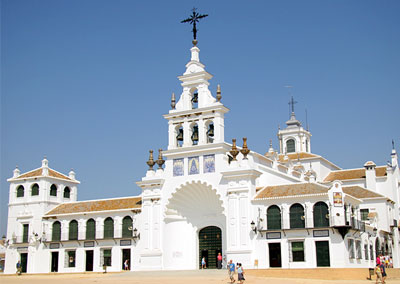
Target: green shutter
<point>126,223</point>
<point>35,189</point>
<point>296,216</point>
<point>53,190</point>
<point>274,218</point>
<point>25,233</point>
<point>67,192</point>
<point>108,228</point>
<point>20,191</point>
<point>290,146</point>
<point>56,232</point>
<point>320,215</point>
<point>73,230</point>
<point>91,229</point>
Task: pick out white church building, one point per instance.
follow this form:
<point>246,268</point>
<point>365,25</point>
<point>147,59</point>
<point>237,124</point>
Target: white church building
<point>202,196</point>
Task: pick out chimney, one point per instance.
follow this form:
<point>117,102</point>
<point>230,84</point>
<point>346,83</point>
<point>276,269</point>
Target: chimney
<point>370,175</point>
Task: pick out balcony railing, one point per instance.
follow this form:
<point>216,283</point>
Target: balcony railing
<point>99,235</point>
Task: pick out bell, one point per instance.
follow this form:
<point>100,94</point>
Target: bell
<point>210,131</point>
<point>195,98</point>
<point>195,135</point>
<point>179,137</point>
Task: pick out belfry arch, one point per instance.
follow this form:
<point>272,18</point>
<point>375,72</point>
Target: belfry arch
<point>194,210</point>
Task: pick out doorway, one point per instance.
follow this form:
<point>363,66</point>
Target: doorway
<point>89,260</point>
<point>210,244</point>
<point>275,255</point>
<point>54,261</point>
<point>322,250</point>
<point>126,255</point>
<point>24,262</point>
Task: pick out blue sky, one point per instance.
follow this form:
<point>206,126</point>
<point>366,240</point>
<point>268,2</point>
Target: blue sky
<point>86,82</point>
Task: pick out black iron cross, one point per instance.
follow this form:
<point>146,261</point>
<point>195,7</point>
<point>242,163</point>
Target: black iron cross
<point>291,104</point>
<point>193,19</point>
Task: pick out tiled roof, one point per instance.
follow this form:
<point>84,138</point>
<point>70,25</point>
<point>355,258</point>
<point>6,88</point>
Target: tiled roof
<point>353,174</point>
<point>291,190</point>
<point>360,192</point>
<point>39,173</point>
<point>97,205</point>
<point>297,155</point>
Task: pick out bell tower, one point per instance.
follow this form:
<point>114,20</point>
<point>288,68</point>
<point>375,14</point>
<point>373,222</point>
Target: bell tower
<point>294,138</point>
<point>197,118</point>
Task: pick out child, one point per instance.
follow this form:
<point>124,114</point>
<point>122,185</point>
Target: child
<point>240,273</point>
<point>378,273</point>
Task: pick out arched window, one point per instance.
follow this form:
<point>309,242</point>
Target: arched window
<point>67,192</point>
<point>290,146</point>
<point>90,229</point>
<point>56,231</point>
<point>179,136</point>
<point>321,215</point>
<point>109,228</point>
<point>73,230</point>
<point>35,189</point>
<point>210,132</point>
<point>126,225</point>
<point>53,190</point>
<point>274,218</point>
<point>297,216</point>
<point>195,133</point>
<point>195,98</point>
<point>306,145</point>
<point>20,191</point>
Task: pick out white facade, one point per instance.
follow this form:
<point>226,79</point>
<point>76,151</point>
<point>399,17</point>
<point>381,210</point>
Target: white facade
<point>292,209</point>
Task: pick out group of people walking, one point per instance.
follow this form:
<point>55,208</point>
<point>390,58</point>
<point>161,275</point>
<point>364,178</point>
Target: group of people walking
<point>382,262</point>
<point>231,271</point>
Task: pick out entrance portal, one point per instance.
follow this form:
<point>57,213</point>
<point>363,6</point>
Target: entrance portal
<point>322,248</point>
<point>24,262</point>
<point>54,261</point>
<point>126,255</point>
<point>210,244</point>
<point>89,260</point>
<point>275,255</point>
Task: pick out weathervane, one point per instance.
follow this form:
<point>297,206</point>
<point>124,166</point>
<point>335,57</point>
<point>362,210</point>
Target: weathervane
<point>193,19</point>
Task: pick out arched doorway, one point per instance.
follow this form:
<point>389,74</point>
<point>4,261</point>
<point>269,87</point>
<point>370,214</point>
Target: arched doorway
<point>210,244</point>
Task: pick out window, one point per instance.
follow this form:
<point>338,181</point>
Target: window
<point>35,189</point>
<point>25,234</point>
<point>358,249</point>
<point>53,190</point>
<point>364,214</point>
<point>73,230</point>
<point>126,225</point>
<point>56,232</point>
<point>90,229</point>
<point>67,192</point>
<point>297,217</point>
<point>106,257</point>
<point>306,145</point>
<point>365,251</point>
<point>109,228</point>
<point>290,146</point>
<point>20,191</point>
<point>371,252</point>
<point>321,215</point>
<point>273,218</point>
<point>351,248</point>
<point>70,258</point>
<point>297,251</point>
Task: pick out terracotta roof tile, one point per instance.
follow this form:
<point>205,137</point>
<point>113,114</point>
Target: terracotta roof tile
<point>291,190</point>
<point>360,192</point>
<point>39,173</point>
<point>97,205</point>
<point>297,155</point>
<point>353,174</point>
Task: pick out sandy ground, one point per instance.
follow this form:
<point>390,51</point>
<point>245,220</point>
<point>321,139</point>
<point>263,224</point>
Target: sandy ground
<point>165,277</point>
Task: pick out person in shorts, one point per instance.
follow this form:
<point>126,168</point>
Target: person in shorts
<point>231,271</point>
<point>240,273</point>
<point>378,273</point>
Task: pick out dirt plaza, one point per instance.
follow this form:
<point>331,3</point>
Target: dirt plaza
<point>281,276</point>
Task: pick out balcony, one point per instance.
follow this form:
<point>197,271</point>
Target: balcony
<point>97,236</point>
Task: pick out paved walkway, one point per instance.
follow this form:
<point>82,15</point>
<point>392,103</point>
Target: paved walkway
<point>165,277</point>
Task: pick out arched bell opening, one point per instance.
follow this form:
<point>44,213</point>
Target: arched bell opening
<point>179,135</point>
<point>210,131</point>
<point>290,146</point>
<point>194,130</point>
<point>195,98</point>
<point>210,245</point>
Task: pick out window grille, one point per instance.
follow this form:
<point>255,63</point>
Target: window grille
<point>273,218</point>
<point>90,229</point>
<point>56,232</point>
<point>290,146</point>
<point>321,215</point>
<point>109,228</point>
<point>73,230</point>
<point>297,217</point>
<point>126,225</point>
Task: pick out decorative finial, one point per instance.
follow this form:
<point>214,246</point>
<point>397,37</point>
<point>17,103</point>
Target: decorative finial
<point>245,151</point>
<point>392,144</point>
<point>71,174</point>
<point>193,19</point>
<point>270,143</point>
<point>151,162</point>
<point>173,104</point>
<point>234,151</point>
<point>219,93</point>
<point>160,162</point>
